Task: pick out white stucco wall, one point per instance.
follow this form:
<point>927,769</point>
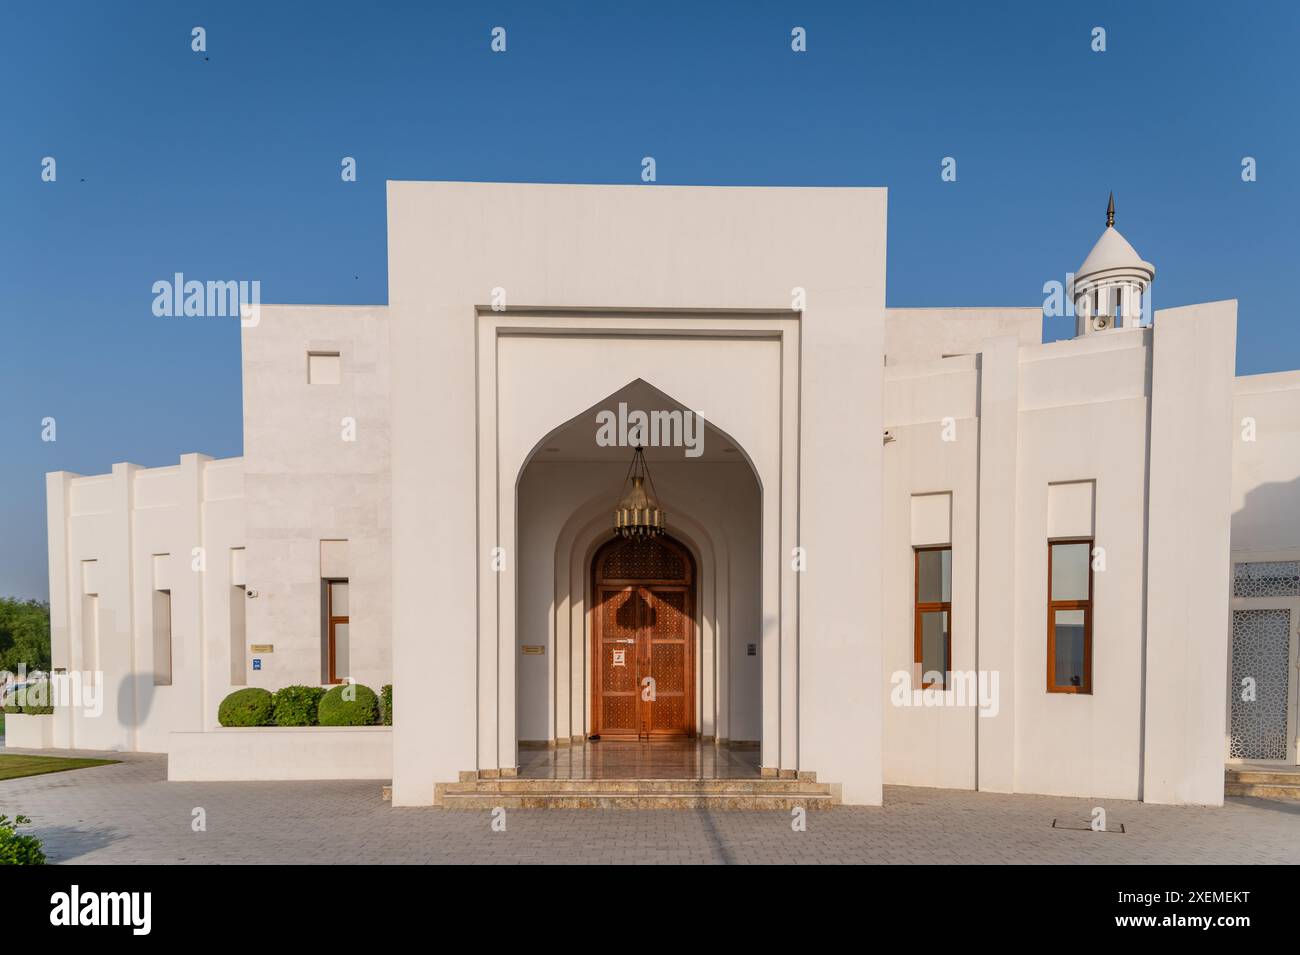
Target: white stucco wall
<point>641,248</point>
<point>306,482</point>
<point>1024,419</point>
<point>272,753</point>
<point>1083,417</point>
<point>124,522</point>
<point>930,746</point>
<point>1266,463</point>
<point>1188,573</point>
<point>924,334</point>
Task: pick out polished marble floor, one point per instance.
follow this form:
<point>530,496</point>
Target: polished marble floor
<point>633,759</point>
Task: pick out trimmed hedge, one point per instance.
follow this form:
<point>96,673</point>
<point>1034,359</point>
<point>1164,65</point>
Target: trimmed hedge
<point>296,705</point>
<point>349,705</point>
<point>40,700</point>
<point>386,704</point>
<point>251,706</point>
<point>11,705</point>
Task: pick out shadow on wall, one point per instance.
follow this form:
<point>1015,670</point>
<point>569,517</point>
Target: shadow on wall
<point>1269,519</point>
<point>135,699</point>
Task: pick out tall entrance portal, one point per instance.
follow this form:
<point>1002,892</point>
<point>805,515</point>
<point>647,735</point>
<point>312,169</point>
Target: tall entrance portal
<point>643,640</point>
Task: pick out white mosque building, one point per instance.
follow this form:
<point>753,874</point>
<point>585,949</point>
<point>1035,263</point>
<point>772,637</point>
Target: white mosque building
<point>875,545</point>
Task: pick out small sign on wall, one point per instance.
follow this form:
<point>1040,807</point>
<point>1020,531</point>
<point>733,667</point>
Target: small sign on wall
<point>751,649</point>
<point>257,664</point>
<point>620,658</point>
<point>533,650</point>
<point>263,648</point>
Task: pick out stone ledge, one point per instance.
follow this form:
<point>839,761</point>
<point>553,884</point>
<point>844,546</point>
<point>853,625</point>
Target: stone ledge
<point>270,753</point>
<point>28,732</point>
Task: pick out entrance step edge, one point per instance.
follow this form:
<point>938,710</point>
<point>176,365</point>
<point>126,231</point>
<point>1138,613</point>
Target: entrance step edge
<point>621,800</point>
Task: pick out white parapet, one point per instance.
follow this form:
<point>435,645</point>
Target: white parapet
<point>269,753</point>
<point>28,732</point>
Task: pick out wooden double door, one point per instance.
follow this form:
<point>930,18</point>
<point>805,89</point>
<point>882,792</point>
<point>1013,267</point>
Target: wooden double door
<point>643,635</point>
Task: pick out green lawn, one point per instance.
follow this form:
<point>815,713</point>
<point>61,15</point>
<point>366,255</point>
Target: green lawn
<point>14,767</point>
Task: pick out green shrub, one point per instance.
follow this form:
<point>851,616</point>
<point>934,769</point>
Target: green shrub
<point>386,704</point>
<point>40,701</point>
<point>16,849</point>
<point>247,707</point>
<point>349,705</point>
<point>11,704</point>
<point>296,705</point>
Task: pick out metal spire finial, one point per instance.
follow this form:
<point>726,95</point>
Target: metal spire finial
<point>1110,212</point>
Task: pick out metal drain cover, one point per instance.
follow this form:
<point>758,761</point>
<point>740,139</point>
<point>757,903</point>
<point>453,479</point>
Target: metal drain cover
<point>1086,826</point>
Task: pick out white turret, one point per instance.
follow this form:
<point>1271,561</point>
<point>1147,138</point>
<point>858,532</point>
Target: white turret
<point>1109,286</point>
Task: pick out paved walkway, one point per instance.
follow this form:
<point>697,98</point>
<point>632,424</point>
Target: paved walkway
<point>129,813</point>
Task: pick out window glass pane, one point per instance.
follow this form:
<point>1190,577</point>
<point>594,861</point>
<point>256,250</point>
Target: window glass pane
<point>934,572</point>
<point>339,598</point>
<point>934,645</point>
<point>1070,571</point>
<point>1270,578</point>
<point>340,651</point>
<point>1068,665</point>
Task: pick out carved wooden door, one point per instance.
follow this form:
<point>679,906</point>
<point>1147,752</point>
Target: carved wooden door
<point>644,678</point>
<point>617,710</point>
<point>643,667</point>
<point>665,704</point>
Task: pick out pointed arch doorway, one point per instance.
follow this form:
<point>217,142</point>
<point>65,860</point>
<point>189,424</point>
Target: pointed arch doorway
<point>643,637</point>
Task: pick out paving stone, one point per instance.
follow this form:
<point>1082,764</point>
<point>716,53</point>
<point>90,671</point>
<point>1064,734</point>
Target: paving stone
<point>129,813</point>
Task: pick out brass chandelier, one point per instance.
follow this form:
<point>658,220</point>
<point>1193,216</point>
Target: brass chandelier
<point>638,514</point>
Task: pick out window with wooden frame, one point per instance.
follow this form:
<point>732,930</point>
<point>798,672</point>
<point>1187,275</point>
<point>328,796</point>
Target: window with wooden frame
<point>1069,616</point>
<point>336,631</point>
<point>933,614</point>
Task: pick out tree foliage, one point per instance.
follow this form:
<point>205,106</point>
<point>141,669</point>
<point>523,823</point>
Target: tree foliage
<point>24,634</point>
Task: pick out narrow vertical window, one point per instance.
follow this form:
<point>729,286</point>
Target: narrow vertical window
<point>238,638</point>
<point>933,617</point>
<point>90,631</point>
<point>238,618</point>
<point>162,638</point>
<point>336,631</point>
<point>1069,616</point>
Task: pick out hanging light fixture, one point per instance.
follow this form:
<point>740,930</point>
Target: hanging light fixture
<point>638,513</point>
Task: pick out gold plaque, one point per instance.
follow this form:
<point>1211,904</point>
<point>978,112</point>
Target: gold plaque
<point>534,650</point>
<point>262,648</point>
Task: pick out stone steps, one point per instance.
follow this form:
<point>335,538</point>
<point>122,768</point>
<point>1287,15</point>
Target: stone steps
<point>719,794</point>
<point>516,785</point>
<point>1262,784</point>
<point>598,799</point>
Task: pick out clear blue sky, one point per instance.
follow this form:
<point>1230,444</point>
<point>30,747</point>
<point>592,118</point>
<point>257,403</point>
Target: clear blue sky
<point>227,167</point>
